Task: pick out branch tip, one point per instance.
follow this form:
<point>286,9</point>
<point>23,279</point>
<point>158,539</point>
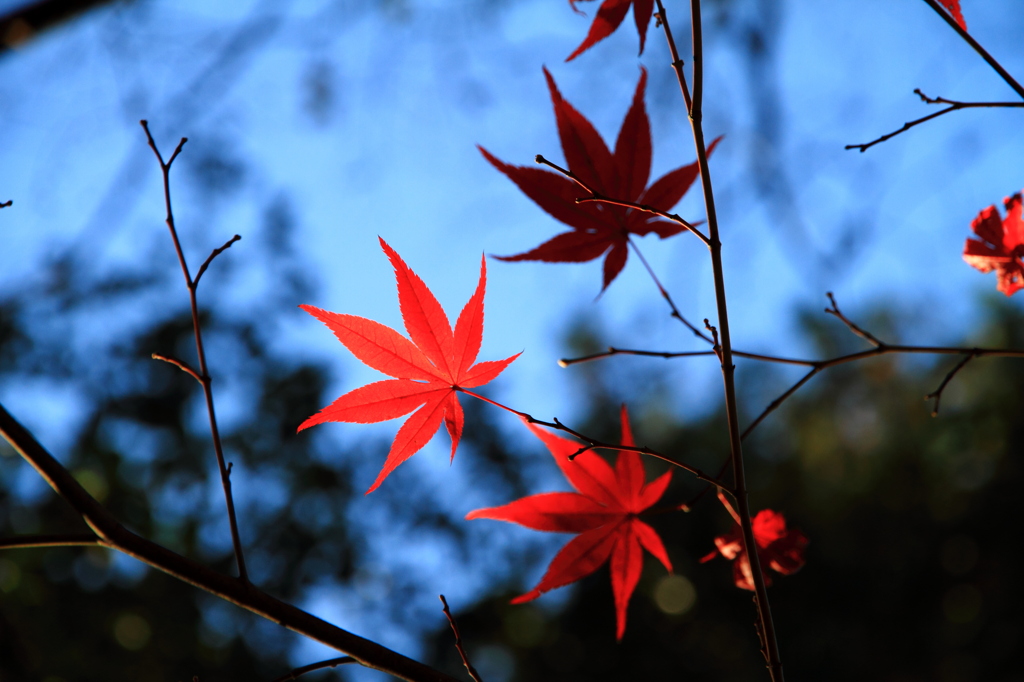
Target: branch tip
<point>458,641</point>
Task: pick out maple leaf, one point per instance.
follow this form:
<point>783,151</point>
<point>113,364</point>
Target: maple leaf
<point>427,371</point>
<point>620,175</point>
<point>1001,246</point>
<point>780,549</point>
<point>604,511</point>
<point>609,15</point>
<point>953,7</point>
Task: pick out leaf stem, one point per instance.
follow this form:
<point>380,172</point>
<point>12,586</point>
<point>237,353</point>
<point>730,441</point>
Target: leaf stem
<point>664,293</point>
<point>590,443</point>
<point>598,197</point>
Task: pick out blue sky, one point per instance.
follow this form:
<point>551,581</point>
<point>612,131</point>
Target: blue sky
<point>412,86</point>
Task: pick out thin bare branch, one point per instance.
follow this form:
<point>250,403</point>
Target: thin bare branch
<point>595,196</point>
<point>953,106</point>
<point>5,204</point>
<point>590,443</point>
<point>203,374</point>
<point>867,336</point>
<point>458,642</point>
<point>937,393</point>
<point>565,362</point>
<point>695,111</point>
<point>180,364</point>
<point>661,21</point>
<point>209,259</point>
<point>664,292</point>
<point>774,405</point>
<point>1003,73</point>
<point>598,197</point>
<point>65,540</point>
<point>313,667</point>
<point>114,535</point>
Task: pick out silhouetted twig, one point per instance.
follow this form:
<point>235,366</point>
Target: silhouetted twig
<point>458,642</point>
<point>203,374</point>
<point>313,667</point>
<point>180,364</point>
<point>590,443</point>
<point>1003,73</point>
<point>953,106</point>
<point>937,393</point>
<point>216,252</point>
<point>596,196</point>
<point>64,540</point>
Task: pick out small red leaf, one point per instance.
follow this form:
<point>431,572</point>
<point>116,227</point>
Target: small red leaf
<point>568,247</point>
<point>484,372</point>
<point>953,7</point>
<point>423,316</point>
<point>453,421</point>
<point>430,368</point>
<point>380,347</point>
<point>469,328</point>
<point>585,152</point>
<point>778,548</point>
<point>552,512</point>
<point>376,402</point>
<point>633,146</point>
<point>1001,247</point>
<point>626,566</point>
<point>604,512</point>
<point>600,228</point>
<point>642,11</point>
<point>580,557</point>
<point>614,262</point>
<point>554,193</point>
<point>414,434</point>
<point>609,16</point>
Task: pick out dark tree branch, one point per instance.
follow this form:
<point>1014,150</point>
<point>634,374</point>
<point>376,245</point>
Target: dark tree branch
<point>64,540</point>
<point>664,292</point>
<point>112,534</point>
<point>5,204</point>
<point>937,393</point>
<point>1003,73</point>
<point>458,642</point>
<point>203,374</point>
<point>23,23</point>
<point>953,106</point>
<point>216,252</point>
<point>834,310</point>
<point>695,110</point>
<point>313,667</point>
<point>180,364</point>
<point>594,444</point>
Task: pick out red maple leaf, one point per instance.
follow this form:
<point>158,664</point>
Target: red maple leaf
<point>953,7</point>
<point>428,370</point>
<point>620,175</point>
<point>609,15</point>
<point>604,511</point>
<point>778,548</point>
<point>1001,246</point>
